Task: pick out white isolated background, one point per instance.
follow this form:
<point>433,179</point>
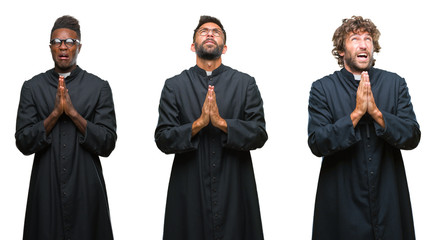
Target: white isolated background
<point>285,45</point>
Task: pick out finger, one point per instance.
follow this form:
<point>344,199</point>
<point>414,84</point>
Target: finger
<point>211,91</point>
<point>206,96</point>
<point>62,92</point>
<point>365,76</point>
<point>61,80</point>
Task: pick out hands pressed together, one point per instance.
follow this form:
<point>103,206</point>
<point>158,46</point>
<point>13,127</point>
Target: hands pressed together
<point>210,113</point>
<point>365,102</point>
<point>63,104</point>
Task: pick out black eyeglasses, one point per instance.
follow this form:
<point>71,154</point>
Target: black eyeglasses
<point>69,42</point>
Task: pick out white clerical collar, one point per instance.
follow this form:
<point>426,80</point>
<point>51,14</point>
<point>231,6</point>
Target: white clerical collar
<point>357,77</point>
<point>64,74</point>
<point>209,73</point>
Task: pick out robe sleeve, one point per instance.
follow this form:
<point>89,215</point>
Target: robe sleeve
<point>30,135</point>
<point>401,129</point>
<point>100,134</point>
<point>170,135</point>
<point>325,135</point>
<point>248,133</point>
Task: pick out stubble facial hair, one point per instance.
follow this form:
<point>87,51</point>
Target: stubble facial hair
<point>351,63</point>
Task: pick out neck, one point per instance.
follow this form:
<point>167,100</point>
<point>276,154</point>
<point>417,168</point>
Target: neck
<point>208,65</point>
<point>352,71</point>
<point>64,70</point>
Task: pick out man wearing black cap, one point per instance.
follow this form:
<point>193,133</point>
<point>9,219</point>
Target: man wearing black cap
<point>210,117</point>
<point>66,117</point>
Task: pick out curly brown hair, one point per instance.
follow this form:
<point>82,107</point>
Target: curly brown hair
<point>354,24</point>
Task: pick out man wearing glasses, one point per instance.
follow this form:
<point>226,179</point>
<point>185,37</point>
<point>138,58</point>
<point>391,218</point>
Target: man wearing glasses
<point>210,117</point>
<point>66,117</point>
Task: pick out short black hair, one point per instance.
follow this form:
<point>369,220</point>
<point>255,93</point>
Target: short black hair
<point>67,22</point>
<point>206,19</point>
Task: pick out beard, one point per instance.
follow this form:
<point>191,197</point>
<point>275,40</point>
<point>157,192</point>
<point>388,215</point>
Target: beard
<point>210,53</point>
<point>351,62</point>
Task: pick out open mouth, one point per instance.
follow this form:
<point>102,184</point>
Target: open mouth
<point>63,56</point>
<point>362,56</point>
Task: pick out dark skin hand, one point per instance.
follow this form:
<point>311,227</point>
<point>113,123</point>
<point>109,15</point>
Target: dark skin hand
<point>63,104</point>
<point>210,113</point>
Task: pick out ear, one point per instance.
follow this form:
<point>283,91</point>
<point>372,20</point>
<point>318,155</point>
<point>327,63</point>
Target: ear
<point>192,47</point>
<point>79,48</point>
<point>341,53</point>
<point>225,49</point>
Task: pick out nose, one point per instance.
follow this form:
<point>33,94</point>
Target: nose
<point>362,44</point>
<point>63,45</point>
<point>210,32</point>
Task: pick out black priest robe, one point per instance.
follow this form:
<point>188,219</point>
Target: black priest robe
<point>362,191</point>
<point>212,191</point>
<point>67,195</point>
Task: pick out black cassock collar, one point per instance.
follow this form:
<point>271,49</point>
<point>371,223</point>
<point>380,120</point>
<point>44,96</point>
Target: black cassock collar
<point>215,72</point>
<point>72,75</point>
<point>350,77</point>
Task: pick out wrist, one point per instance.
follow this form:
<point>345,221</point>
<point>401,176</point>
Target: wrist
<point>72,114</point>
<point>376,114</point>
<point>55,114</point>
<point>221,124</point>
<point>357,114</point>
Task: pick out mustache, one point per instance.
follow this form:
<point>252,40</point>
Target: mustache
<point>210,39</point>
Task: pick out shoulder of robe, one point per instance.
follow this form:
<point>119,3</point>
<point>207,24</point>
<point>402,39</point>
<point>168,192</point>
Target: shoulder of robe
<point>386,74</point>
<point>330,79</point>
<point>92,77</point>
<point>39,78</point>
<point>241,76</point>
